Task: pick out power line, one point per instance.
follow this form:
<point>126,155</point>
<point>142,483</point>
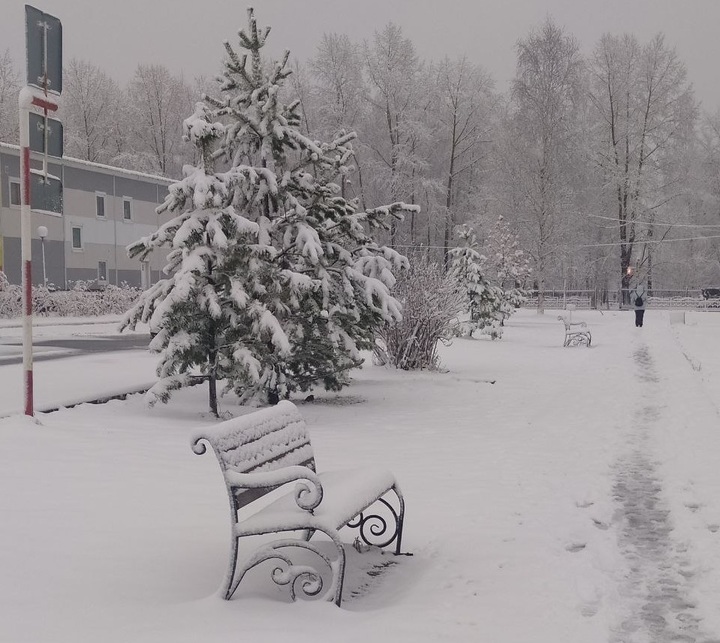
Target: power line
<point>672,225</point>
<point>646,241</point>
<point>423,247</point>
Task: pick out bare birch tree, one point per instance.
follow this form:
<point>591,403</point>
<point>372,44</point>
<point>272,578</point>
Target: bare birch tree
<point>158,103</point>
<point>90,108</point>
<point>464,100</point>
<point>393,70</point>
<point>643,103</point>
<point>546,90</point>
<point>337,69</point>
<point>341,99</point>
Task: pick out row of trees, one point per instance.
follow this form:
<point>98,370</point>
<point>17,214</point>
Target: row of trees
<point>603,164</point>
<point>137,127</point>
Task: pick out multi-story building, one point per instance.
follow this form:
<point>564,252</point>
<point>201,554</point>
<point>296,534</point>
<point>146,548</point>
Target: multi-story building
<point>104,209</point>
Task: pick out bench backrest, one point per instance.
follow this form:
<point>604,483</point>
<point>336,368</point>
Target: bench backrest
<point>266,440</point>
<point>568,324</point>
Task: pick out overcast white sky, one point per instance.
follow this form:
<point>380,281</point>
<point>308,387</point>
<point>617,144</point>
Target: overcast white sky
<point>186,35</point>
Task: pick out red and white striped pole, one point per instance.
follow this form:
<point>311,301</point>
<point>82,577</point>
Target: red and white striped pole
<point>26,100</point>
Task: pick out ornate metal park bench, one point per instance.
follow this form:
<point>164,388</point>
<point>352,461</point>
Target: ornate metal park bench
<point>574,336</point>
<point>268,449</point>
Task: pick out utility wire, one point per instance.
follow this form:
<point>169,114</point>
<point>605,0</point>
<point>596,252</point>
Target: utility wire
<point>672,225</point>
<point>642,241</point>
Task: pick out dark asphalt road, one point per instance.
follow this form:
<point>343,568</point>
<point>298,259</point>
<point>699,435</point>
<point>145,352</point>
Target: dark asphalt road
<point>79,346</point>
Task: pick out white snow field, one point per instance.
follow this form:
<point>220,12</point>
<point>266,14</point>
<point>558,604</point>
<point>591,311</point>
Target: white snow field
<point>554,495</point>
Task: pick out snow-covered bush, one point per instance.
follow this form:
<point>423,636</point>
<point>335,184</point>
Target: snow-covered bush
<point>80,301</point>
<point>431,303</point>
<point>274,282</point>
<point>119,299</point>
<point>43,301</point>
<point>83,301</point>
<point>10,298</point>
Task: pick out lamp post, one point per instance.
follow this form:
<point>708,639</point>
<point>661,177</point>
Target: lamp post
<point>42,233</point>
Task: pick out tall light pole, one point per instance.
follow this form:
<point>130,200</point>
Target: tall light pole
<point>42,233</point>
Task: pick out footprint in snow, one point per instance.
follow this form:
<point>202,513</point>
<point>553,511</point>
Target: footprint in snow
<point>600,524</point>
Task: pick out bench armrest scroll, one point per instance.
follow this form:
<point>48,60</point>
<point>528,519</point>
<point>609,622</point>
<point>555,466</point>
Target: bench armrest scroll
<point>308,491</point>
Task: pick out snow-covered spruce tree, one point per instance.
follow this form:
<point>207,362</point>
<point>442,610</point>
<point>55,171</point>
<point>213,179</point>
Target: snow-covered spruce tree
<point>511,267</point>
<point>274,282</point>
<point>483,300</point>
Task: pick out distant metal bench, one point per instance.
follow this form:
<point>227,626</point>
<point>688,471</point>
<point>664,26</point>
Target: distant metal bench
<point>574,336</point>
<point>267,450</point>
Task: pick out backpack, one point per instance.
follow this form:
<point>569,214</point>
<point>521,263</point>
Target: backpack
<point>638,301</point>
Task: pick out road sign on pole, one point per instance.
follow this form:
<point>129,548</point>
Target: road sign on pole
<point>43,44</point>
<point>46,193</point>
<point>43,41</point>
<point>46,135</point>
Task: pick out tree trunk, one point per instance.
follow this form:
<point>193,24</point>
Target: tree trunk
<point>361,192</point>
<point>625,254</point>
<point>212,384</point>
<point>212,371</point>
<point>449,197</point>
<point>649,263</point>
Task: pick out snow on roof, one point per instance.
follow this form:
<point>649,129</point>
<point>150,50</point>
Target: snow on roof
<point>68,160</point>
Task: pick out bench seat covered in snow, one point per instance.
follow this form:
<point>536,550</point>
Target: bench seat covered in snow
<point>576,333</point>
<point>268,450</point>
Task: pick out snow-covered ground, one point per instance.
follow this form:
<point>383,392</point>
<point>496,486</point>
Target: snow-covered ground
<point>553,495</point>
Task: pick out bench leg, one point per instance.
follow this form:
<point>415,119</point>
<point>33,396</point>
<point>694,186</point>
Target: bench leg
<point>228,589</point>
<point>305,579</point>
<point>373,527</point>
<point>578,339</point>
<point>400,519</point>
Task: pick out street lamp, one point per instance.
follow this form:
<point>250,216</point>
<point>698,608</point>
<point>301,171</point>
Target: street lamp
<point>42,233</point>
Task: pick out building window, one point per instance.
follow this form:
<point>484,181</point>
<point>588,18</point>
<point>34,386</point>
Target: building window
<point>102,270</point>
<point>15,197</point>
<point>77,238</point>
<point>127,209</point>
<point>100,204</point>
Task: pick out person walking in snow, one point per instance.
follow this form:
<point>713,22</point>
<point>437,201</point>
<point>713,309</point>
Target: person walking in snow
<point>638,297</point>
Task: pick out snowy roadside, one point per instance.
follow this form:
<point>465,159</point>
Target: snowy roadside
<point>75,378</point>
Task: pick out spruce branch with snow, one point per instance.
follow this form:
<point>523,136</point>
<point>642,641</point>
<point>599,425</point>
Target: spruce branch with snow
<point>274,281</point>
